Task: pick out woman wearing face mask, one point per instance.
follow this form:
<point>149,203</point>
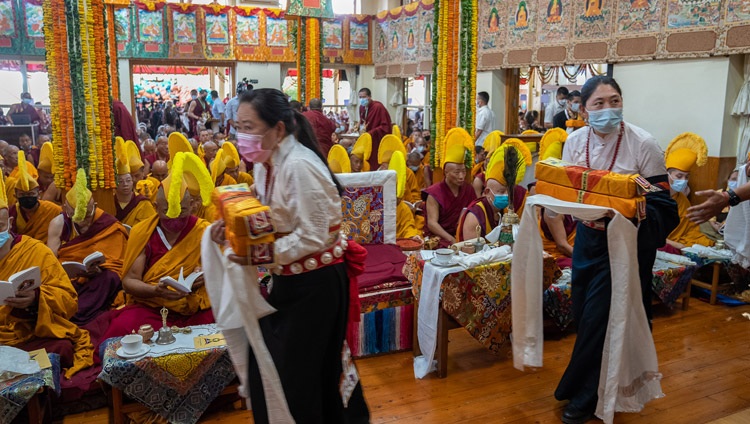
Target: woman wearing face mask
<point>487,210</point>
<point>614,145</point>
<point>310,275</point>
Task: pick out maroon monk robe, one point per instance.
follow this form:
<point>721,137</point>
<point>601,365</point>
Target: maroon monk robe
<point>122,213</point>
<point>124,124</point>
<point>198,110</point>
<point>378,123</point>
<point>450,206</point>
<point>323,128</point>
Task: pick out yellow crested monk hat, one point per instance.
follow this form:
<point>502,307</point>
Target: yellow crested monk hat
<point>496,168</point>
<point>388,145</point>
<point>188,174</point>
<point>231,155</point>
<point>459,148</point>
<point>122,162</point>
<point>46,158</point>
<point>551,145</point>
<point>338,160</point>
<point>134,156</point>
<point>685,151</point>
<point>79,196</point>
<point>25,181</point>
<point>398,164</point>
<point>178,143</point>
<point>363,149</point>
<point>3,193</point>
<point>492,141</point>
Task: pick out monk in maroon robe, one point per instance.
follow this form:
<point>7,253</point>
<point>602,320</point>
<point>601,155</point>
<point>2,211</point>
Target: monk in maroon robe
<point>376,120</point>
<point>198,106</point>
<point>445,202</point>
<point>321,124</point>
<point>123,121</point>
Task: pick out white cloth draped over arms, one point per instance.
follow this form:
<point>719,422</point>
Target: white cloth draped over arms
<point>237,305</point>
<point>629,369</point>
<point>737,227</point>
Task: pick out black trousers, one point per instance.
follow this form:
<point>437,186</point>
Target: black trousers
<point>591,291</point>
<point>305,337</point>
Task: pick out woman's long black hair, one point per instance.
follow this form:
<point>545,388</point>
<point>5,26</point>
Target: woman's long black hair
<point>272,106</point>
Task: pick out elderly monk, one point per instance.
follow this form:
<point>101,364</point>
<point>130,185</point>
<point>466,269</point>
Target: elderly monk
<point>445,200</point>
<point>165,245</point>
<point>31,216</point>
<point>683,154</point>
<point>40,318</point>
<point>361,152</point>
<point>233,163</point>
<point>162,151</point>
<point>406,227</point>
<point>130,208</point>
<point>209,152</point>
<point>159,170</point>
<point>322,125</point>
<point>144,185</point>
<point>47,188</point>
<point>485,212</point>
<point>79,231</point>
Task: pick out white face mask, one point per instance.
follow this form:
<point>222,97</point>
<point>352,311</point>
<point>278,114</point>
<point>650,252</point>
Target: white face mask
<point>575,107</point>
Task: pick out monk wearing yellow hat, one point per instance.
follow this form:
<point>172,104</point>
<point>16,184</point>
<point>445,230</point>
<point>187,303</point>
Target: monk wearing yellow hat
<point>31,216</point>
<point>558,231</point>
<point>389,145</point>
<point>130,208</point>
<point>361,152</point>
<point>232,164</point>
<point>683,154</point>
<point>491,143</point>
<point>79,231</point>
<point>145,185</point>
<point>218,167</point>
<point>485,211</point>
<point>46,180</point>
<point>338,160</point>
<point>445,200</point>
<point>167,244</point>
<point>406,227</point>
<point>39,318</point>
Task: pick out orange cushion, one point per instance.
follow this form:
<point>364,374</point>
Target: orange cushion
<point>630,208</point>
<point>591,180</point>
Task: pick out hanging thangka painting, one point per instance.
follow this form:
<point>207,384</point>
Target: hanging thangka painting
<point>249,29</point>
<point>382,26</point>
<point>683,14</point>
<point>277,32</point>
<point>9,36</point>
<point>425,36</point>
<point>124,33</point>
<point>521,24</point>
<point>311,8</point>
<point>410,35</point>
<point>151,37</point>
<point>34,28</point>
<point>639,16</point>
<point>593,19</point>
<point>186,29</point>
<point>357,41</point>
<point>554,21</point>
<point>218,40</point>
<point>738,11</point>
<point>491,27</point>
<point>333,41</point>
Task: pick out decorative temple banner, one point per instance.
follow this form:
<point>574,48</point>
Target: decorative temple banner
<point>9,31</point>
<point>522,24</point>
<point>186,30</point>
<point>403,40</point>
<point>33,15</point>
<point>593,20</point>
<point>555,18</point>
<point>264,35</point>
<point>151,39</point>
<point>682,14</point>
<point>635,17</point>
<point>357,40</point>
<point>333,35</point>
<point>124,31</point>
<point>382,25</point>
<point>410,40</point>
<point>311,8</point>
<point>425,36</point>
<point>218,29</point>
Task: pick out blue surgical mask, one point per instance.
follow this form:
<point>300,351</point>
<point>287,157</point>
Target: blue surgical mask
<point>678,185</point>
<point>575,107</point>
<point>5,236</point>
<point>420,149</point>
<point>605,120</point>
<point>414,168</point>
<point>28,101</point>
<point>363,102</point>
<point>732,185</point>
<point>194,97</point>
<point>500,201</point>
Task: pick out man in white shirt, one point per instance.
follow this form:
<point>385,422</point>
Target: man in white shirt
<point>485,118</point>
<point>556,106</point>
<point>217,111</point>
<point>230,110</point>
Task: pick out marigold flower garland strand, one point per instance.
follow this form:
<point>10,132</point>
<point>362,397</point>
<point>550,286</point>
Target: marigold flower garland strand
<point>434,152</point>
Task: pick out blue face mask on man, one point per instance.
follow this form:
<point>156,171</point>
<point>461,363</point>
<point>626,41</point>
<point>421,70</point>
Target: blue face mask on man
<point>732,185</point>
<point>363,101</point>
<point>605,121</point>
<point>414,168</point>
<point>5,236</point>
<point>500,201</point>
<point>28,101</point>
<point>678,185</point>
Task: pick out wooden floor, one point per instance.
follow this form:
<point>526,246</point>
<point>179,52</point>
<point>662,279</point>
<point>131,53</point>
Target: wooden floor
<point>704,354</point>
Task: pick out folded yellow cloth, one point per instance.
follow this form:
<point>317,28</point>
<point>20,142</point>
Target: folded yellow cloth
<point>555,171</point>
<point>634,207</point>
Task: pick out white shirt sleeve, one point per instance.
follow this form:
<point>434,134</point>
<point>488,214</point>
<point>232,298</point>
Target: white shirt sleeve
<point>483,120</point>
<point>549,113</point>
<point>651,159</point>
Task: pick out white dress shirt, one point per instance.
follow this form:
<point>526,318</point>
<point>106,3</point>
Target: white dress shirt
<point>304,201</point>
<point>485,122</point>
<point>230,112</point>
<point>552,109</point>
<point>218,108</point>
<point>639,153</point>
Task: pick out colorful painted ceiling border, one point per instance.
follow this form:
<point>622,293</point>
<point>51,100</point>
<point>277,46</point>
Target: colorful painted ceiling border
<point>555,32</point>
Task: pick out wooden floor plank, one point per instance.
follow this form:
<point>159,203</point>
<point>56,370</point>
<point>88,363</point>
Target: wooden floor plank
<point>704,355</point>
